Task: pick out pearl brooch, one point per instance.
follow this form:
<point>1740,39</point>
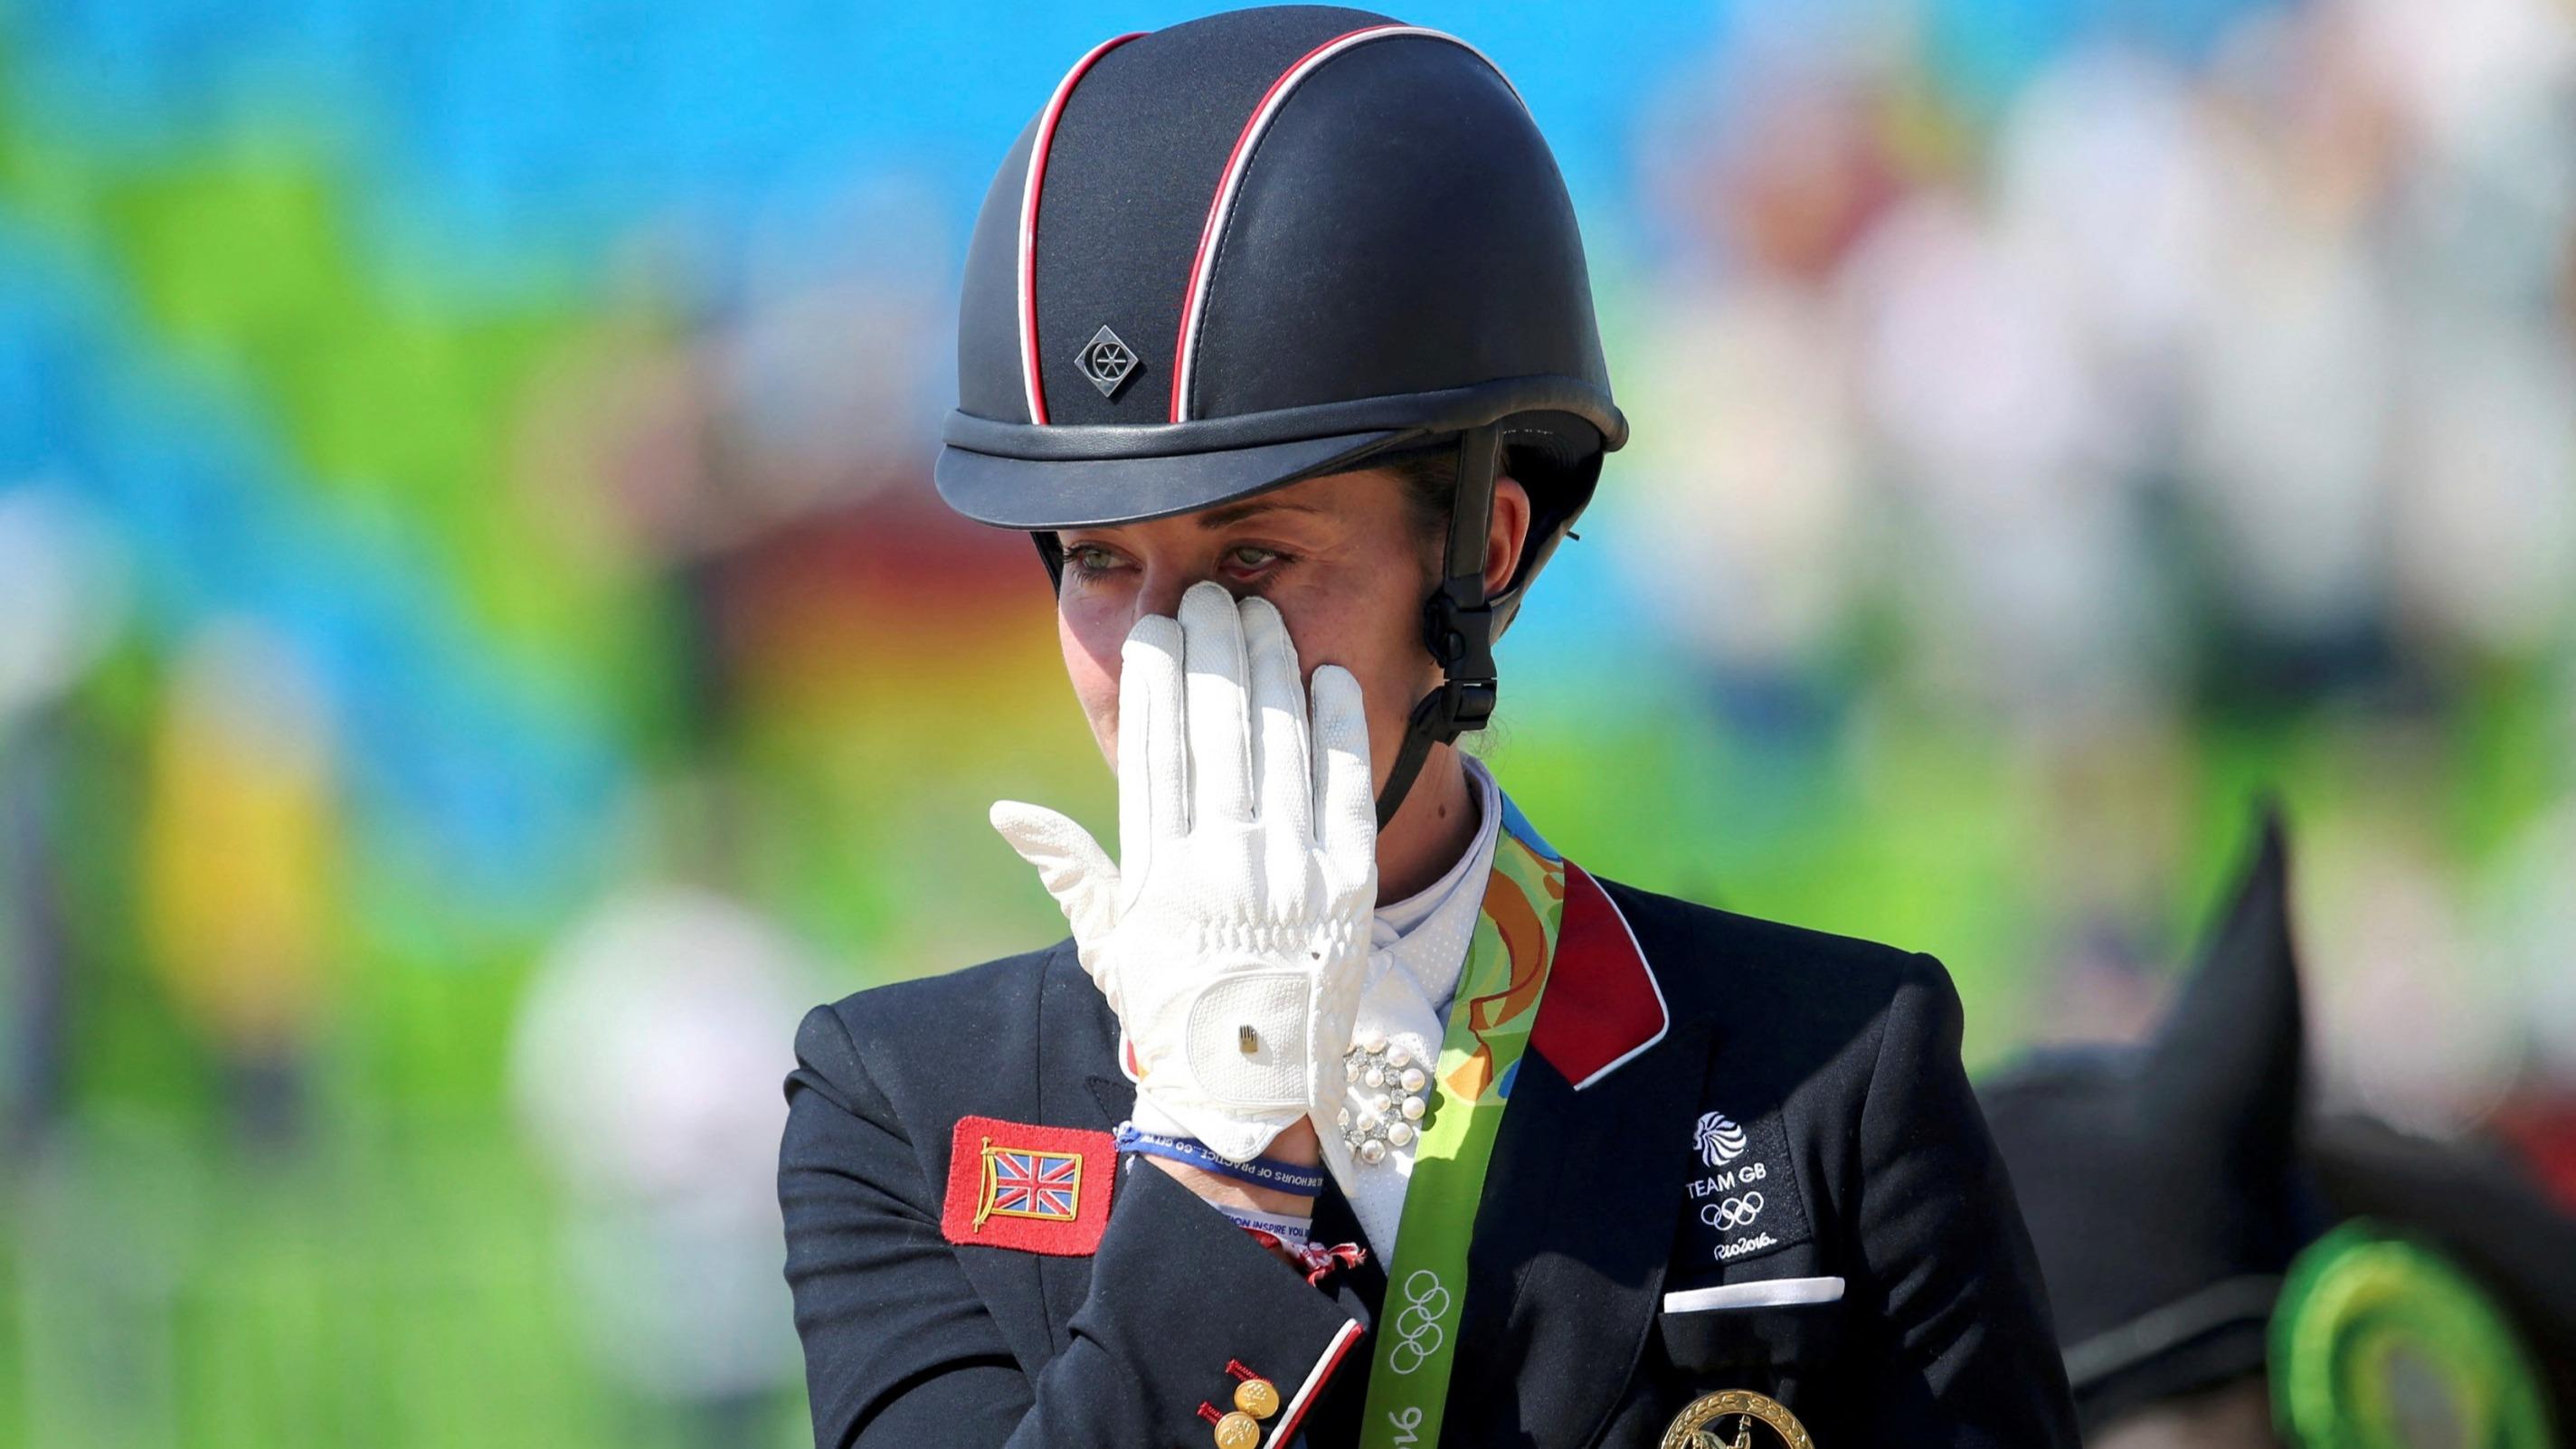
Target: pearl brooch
<point>1390,1094</point>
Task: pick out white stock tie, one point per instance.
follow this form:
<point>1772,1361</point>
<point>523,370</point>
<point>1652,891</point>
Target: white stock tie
<point>1417,947</point>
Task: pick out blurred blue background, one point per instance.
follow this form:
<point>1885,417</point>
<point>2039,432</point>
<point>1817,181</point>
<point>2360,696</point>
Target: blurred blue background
<point>479,653</point>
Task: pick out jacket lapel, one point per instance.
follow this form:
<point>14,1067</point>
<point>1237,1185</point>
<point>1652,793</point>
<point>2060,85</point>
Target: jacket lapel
<point>1576,1225</point>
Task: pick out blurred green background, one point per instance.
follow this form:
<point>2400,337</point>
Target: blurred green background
<point>479,653</point>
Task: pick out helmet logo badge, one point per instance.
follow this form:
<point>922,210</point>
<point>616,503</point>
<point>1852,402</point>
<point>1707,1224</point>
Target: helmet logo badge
<point>1108,361</point>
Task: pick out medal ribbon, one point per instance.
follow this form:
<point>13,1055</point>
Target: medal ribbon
<point>1480,1052</point>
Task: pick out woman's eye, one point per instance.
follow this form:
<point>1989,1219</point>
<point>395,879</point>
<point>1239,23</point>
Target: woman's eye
<point>1090,560</point>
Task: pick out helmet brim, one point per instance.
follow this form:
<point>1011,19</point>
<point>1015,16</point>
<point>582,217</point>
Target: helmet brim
<point>1053,493</point>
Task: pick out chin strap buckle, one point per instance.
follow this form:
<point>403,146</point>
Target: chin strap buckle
<point>1457,626</point>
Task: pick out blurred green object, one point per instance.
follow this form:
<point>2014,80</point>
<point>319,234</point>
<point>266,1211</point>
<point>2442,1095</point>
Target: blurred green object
<point>391,1283</point>
<point>2379,1342</point>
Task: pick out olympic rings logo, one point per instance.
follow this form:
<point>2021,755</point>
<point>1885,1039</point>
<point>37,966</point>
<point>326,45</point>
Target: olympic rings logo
<point>1418,1334</point>
<point>1735,1212</point>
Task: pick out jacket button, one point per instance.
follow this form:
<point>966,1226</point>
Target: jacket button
<point>1237,1431</point>
<point>1257,1397</point>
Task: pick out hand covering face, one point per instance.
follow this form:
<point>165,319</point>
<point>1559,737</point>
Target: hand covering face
<point>1232,936</point>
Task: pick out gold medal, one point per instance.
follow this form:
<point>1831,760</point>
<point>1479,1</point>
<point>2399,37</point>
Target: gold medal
<point>1696,1427</point>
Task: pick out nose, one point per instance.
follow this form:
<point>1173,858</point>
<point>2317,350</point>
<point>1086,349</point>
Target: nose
<point>1162,591</point>
<point>1163,587</point>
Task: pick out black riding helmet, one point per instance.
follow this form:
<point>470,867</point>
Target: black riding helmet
<point>1274,244</point>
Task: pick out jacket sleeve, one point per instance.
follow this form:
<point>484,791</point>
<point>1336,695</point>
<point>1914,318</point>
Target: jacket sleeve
<point>900,1349</point>
<point>1974,1358</point>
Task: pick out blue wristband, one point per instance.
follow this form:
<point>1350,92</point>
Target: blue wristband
<point>1292,1233</point>
<point>1267,1172</point>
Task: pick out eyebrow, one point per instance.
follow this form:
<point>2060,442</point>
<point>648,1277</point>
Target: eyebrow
<point>1233,513</point>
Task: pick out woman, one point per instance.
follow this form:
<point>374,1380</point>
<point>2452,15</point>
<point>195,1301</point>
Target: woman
<point>1351,1110</point>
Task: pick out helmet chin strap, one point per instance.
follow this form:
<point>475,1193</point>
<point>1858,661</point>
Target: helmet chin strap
<point>1457,625</point>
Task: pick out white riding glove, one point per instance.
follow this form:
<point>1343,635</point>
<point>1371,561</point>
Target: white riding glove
<point>1232,938</point>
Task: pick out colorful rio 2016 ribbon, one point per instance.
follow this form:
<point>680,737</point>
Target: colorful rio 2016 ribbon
<point>1488,1029</point>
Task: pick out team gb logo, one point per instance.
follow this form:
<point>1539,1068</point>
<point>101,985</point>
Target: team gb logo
<point>1719,1140</point>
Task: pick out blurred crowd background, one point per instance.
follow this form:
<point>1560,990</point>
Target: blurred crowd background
<point>479,653</point>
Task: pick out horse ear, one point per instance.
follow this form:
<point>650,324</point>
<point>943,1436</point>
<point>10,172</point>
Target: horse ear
<point>2228,1060</point>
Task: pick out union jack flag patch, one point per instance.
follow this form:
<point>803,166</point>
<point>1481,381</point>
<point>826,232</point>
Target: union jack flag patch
<point>1026,1187</point>
<point>1030,1184</point>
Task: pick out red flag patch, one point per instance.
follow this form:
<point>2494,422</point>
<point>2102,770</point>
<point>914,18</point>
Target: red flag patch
<point>1030,1188</point>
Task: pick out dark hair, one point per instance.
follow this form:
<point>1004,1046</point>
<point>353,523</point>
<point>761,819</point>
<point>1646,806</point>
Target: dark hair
<point>1429,477</point>
<point>1428,473</point>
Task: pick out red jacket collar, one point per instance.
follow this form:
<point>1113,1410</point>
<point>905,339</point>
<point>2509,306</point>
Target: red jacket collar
<point>1603,1005</point>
